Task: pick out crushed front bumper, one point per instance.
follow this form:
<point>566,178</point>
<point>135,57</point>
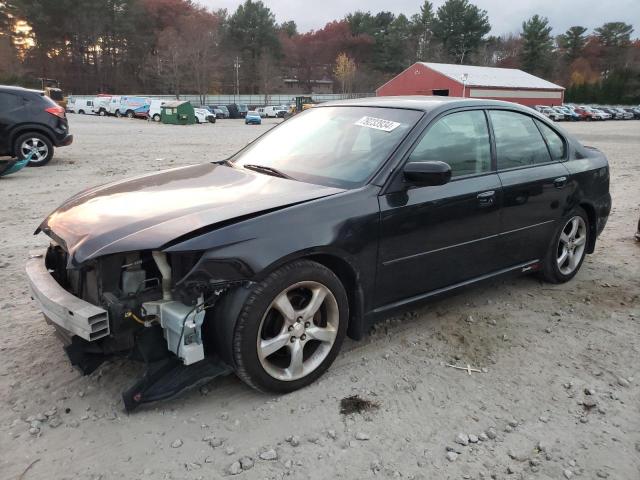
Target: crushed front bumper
<point>66,311</point>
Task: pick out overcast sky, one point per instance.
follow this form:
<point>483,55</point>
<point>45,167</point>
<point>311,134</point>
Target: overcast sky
<point>505,15</point>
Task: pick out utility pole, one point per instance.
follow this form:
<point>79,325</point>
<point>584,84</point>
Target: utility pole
<point>236,65</point>
<point>465,77</point>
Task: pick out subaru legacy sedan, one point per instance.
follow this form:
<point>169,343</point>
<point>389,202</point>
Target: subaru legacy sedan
<point>340,216</point>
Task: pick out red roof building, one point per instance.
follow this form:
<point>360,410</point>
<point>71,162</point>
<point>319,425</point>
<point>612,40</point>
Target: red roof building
<point>452,80</point>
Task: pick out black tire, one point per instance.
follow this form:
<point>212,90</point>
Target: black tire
<point>197,121</point>
<point>156,118</point>
<point>102,113</point>
<point>118,114</point>
<point>130,114</point>
<point>244,347</point>
<point>26,137</point>
<point>551,271</point>
<point>81,112</point>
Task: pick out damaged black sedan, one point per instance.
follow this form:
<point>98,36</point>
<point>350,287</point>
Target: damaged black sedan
<point>344,214</point>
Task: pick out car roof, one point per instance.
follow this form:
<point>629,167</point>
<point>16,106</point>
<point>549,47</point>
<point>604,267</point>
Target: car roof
<point>420,102</point>
<point>14,89</point>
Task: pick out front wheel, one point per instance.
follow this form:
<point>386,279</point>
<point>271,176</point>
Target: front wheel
<point>156,118</point>
<point>568,248</point>
<point>102,113</point>
<point>129,114</point>
<point>290,328</point>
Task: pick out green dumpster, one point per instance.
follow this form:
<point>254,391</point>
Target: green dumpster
<point>178,113</point>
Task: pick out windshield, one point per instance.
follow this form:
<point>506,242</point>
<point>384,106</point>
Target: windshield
<point>242,107</point>
<point>335,146</point>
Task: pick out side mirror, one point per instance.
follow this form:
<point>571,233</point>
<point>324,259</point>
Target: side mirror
<point>427,173</point>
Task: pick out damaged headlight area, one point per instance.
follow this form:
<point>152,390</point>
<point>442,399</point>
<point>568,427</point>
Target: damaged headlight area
<point>142,305</point>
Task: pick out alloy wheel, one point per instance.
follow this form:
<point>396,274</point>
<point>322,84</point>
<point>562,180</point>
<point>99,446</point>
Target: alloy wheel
<point>36,147</point>
<point>298,330</point>
<point>571,245</point>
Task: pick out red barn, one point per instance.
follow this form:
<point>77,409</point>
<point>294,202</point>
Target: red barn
<point>453,80</point>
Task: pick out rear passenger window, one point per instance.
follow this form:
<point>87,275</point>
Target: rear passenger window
<point>9,102</point>
<point>555,142</point>
<point>459,139</point>
<point>518,140</point>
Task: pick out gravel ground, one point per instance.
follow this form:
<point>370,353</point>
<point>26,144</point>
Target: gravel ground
<point>556,397</point>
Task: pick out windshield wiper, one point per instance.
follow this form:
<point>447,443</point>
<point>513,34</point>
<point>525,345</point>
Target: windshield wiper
<point>224,162</point>
<point>267,170</point>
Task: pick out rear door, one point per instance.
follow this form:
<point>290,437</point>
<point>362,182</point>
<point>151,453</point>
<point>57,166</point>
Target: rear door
<point>437,236</point>
<point>534,180</point>
<point>10,105</point>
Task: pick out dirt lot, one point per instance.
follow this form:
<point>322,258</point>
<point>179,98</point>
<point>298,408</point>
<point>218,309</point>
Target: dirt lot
<point>557,397</point>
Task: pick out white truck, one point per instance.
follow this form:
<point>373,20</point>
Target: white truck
<point>106,105</point>
<point>271,111</point>
<point>80,105</point>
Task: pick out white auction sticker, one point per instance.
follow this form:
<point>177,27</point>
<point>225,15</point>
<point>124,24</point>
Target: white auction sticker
<point>378,124</point>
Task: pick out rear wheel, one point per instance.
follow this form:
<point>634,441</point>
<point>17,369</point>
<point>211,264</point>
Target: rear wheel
<point>36,144</point>
<point>156,118</point>
<point>130,114</point>
<point>291,328</point>
<point>102,113</point>
<point>568,248</point>
<point>118,114</point>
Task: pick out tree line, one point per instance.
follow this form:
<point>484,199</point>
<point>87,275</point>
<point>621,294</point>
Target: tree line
<point>178,47</point>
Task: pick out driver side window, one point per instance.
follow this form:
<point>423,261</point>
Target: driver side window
<point>460,139</point>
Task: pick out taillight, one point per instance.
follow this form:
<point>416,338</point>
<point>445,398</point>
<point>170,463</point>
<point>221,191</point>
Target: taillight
<point>57,111</point>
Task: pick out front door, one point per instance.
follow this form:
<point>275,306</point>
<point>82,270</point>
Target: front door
<point>437,236</point>
<point>535,184</point>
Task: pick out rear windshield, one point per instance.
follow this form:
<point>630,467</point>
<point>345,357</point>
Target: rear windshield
<point>334,146</point>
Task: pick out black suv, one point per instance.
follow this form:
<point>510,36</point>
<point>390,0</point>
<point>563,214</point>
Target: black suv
<point>31,122</point>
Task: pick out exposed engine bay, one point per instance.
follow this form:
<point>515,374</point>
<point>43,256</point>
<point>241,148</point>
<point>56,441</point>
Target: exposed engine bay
<point>153,314</point>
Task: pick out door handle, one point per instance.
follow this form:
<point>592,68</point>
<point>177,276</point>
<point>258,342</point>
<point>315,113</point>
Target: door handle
<point>487,199</point>
<point>560,182</point>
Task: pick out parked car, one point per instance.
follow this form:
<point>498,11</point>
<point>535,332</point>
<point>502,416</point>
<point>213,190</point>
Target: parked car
<point>82,106</point>
<point>623,113</point>
<point>604,115</point>
<point>252,118</point>
<point>635,112</point>
<point>614,114</point>
<point>221,108</point>
<point>569,115</point>
<point>596,114</point>
<point>584,113</point>
<point>552,114</point>
<point>575,116</point>
<point>31,122</point>
<point>342,215</point>
<point>218,112</point>
<point>203,115</point>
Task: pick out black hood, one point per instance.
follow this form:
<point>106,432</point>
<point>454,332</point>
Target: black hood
<point>150,211</point>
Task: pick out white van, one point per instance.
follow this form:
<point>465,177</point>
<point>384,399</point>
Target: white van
<point>101,105</point>
<point>155,110</point>
<point>80,105</point>
<point>271,112</point>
